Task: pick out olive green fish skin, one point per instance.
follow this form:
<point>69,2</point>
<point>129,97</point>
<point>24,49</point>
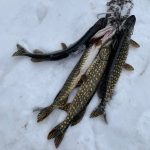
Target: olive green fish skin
<point>70,84</point>
<point>114,77</point>
<point>117,70</point>
<point>88,87</point>
<point>100,110</point>
<point>84,94</point>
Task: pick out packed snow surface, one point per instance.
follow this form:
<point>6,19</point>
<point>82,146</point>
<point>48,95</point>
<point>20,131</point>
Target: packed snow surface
<point>24,85</point>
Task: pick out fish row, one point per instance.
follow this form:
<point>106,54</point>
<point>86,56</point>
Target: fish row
<point>98,70</point>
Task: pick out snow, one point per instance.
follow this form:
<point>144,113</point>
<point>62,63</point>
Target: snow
<point>25,85</point>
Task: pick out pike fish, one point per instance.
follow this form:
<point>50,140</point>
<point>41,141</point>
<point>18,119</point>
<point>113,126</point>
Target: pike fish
<point>80,45</point>
<point>78,73</point>
<point>115,65</point>
<point>83,96</point>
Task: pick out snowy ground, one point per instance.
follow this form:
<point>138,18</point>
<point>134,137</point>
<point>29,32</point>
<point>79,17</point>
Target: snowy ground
<point>24,85</point>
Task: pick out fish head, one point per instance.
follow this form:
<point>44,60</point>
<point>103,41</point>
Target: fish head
<point>128,25</point>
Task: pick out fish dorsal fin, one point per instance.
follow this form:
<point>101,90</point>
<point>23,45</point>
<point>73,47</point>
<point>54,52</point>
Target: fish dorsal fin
<point>36,51</point>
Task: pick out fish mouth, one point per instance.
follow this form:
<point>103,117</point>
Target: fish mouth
<point>103,36</point>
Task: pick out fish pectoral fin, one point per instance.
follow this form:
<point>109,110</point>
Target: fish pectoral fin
<point>64,46</point>
<point>82,79</point>
<point>65,107</point>
<point>58,133</point>
<point>134,43</point>
<point>78,117</point>
<point>128,67</point>
<point>35,60</point>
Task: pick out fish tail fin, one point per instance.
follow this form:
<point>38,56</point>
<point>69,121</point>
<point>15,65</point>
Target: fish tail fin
<point>21,51</point>
<point>95,113</point>
<point>58,133</point>
<point>99,111</point>
<point>44,113</point>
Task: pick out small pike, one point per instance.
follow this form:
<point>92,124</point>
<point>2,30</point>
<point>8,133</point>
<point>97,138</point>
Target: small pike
<point>115,65</point>
<point>80,45</point>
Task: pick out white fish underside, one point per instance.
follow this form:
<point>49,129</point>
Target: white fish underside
<point>107,33</point>
<point>90,58</point>
<point>92,54</point>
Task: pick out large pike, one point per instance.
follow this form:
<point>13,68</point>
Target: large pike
<point>78,72</point>
<point>84,94</point>
<point>115,65</point>
<point>80,45</point>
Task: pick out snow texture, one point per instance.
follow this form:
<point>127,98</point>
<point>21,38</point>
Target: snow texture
<point>24,85</point>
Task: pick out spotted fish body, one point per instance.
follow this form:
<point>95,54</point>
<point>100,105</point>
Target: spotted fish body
<point>72,81</point>
<point>115,68</point>
<point>84,94</point>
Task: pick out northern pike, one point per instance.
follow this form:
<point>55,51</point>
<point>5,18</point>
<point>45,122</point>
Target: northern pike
<point>78,72</point>
<point>84,94</point>
<point>115,65</point>
<point>80,45</point>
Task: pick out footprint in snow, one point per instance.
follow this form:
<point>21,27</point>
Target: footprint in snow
<point>41,12</point>
<point>144,126</point>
